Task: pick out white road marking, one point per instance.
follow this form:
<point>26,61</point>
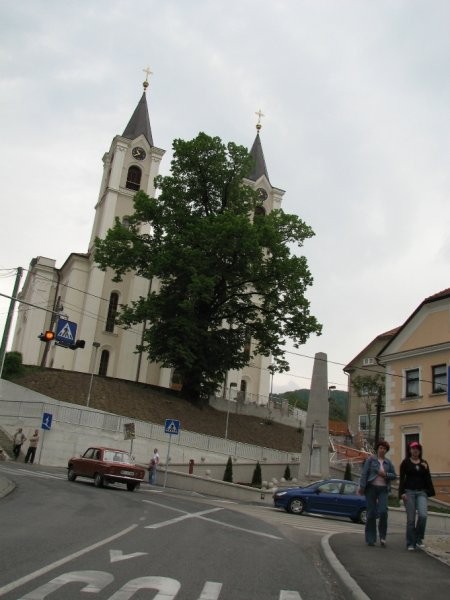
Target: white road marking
<point>15,584</point>
<point>167,588</point>
<point>27,472</point>
<point>199,515</point>
<point>96,581</point>
<point>287,595</point>
<point>252,531</point>
<point>117,555</point>
<point>211,591</point>
<point>181,518</point>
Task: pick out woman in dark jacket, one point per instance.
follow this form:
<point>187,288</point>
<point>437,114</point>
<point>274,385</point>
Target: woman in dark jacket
<point>414,488</point>
<point>375,484</point>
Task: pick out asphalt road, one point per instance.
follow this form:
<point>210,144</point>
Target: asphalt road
<point>61,537</point>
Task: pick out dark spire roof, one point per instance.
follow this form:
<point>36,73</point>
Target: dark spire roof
<point>139,122</point>
<point>257,154</point>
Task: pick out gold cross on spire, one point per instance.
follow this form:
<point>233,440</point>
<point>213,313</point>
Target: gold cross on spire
<point>260,114</point>
<point>147,75</point>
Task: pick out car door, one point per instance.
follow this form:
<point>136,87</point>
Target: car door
<point>325,500</point>
<point>88,461</point>
<point>348,498</point>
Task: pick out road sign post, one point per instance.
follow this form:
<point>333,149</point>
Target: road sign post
<point>46,425</point>
<point>172,427</point>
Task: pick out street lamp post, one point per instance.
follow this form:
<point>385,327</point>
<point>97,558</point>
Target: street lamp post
<point>228,409</point>
<point>96,345</point>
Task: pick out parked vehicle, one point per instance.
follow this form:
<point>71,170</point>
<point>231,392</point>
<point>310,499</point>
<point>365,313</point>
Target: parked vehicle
<point>106,465</point>
<point>337,497</point>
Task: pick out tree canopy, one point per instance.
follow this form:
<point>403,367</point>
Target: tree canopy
<point>225,273</point>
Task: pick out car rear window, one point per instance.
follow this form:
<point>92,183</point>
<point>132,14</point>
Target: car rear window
<point>118,456</point>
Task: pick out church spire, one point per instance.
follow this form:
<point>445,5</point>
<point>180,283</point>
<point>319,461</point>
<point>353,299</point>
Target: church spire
<point>257,154</point>
<point>139,124</point>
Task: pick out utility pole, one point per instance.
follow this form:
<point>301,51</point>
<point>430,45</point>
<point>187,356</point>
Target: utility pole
<point>9,319</point>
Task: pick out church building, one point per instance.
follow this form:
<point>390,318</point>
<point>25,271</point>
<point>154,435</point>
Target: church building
<point>80,293</point>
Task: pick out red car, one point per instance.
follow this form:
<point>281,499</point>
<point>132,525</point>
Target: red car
<point>106,465</point>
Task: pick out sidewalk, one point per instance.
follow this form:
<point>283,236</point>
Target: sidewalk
<point>376,573</point>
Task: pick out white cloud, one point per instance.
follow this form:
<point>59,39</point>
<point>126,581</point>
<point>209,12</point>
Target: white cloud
<point>356,97</point>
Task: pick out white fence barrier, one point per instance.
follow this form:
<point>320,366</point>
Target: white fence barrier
<point>76,427</point>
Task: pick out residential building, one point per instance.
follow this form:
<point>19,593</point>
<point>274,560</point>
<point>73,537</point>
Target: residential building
<point>416,359</point>
<point>361,413</point>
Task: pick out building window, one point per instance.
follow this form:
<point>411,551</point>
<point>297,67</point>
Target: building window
<point>112,312</point>
<point>260,211</point>
<point>412,383</point>
<point>439,377</point>
<point>104,360</point>
<point>133,178</point>
<point>366,422</point>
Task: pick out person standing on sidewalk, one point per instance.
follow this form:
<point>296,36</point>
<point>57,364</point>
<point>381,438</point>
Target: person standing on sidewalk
<point>18,440</point>
<point>414,489</point>
<point>31,452</point>
<point>153,466</point>
<point>375,484</point>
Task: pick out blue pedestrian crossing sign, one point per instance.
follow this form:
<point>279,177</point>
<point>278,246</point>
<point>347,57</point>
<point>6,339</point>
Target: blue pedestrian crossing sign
<point>47,419</point>
<point>66,332</point>
<point>172,426</point>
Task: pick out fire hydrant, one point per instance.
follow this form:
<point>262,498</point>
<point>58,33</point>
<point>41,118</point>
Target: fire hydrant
<point>191,466</point>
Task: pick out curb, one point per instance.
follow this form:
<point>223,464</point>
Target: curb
<point>347,580</point>
<point>6,486</point>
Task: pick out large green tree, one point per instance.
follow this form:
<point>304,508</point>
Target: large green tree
<point>226,270</point>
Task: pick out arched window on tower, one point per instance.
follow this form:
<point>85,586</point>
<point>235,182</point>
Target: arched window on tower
<point>260,211</point>
<point>112,312</point>
<point>104,360</point>
<point>133,178</point>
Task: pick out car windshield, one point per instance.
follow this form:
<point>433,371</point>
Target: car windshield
<point>117,456</point>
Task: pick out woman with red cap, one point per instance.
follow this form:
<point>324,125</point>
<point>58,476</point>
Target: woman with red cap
<point>414,488</point>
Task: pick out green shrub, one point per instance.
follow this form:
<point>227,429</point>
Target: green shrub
<point>257,478</point>
<point>228,475</point>
<point>348,472</point>
<point>13,366</point>
<point>287,473</point>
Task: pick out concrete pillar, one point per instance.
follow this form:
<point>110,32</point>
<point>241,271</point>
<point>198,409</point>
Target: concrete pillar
<point>315,460</point>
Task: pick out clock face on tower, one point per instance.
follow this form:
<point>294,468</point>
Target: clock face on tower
<point>138,153</point>
<point>262,194</point>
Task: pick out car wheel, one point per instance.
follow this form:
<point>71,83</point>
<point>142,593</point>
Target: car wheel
<point>98,480</point>
<point>131,487</point>
<point>71,475</point>
<point>362,517</point>
<point>296,506</point>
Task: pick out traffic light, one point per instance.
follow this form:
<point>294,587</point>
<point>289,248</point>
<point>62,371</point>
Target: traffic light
<point>78,344</point>
<point>47,336</point>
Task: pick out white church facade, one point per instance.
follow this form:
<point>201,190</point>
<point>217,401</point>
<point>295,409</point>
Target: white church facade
<point>87,296</point>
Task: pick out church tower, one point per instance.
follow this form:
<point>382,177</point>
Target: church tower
<point>253,381</point>
<point>83,292</point>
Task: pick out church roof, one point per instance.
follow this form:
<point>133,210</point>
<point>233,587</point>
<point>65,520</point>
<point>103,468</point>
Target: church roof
<point>139,124</point>
<point>259,167</point>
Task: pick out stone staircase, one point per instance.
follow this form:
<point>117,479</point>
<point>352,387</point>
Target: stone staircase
<point>6,444</point>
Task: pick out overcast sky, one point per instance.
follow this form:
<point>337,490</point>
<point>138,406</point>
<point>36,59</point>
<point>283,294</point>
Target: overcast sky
<point>357,131</point>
